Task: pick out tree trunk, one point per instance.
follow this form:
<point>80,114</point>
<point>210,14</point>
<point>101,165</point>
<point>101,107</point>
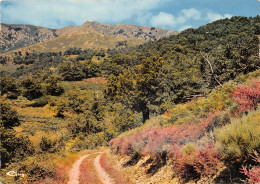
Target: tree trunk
<point>146,113</point>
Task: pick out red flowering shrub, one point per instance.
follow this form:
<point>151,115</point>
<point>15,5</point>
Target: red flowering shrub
<point>248,96</point>
<point>155,141</point>
<point>158,140</point>
<point>254,173</point>
<point>199,163</point>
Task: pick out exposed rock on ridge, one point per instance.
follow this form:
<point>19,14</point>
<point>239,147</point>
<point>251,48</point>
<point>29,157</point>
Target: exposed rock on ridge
<point>14,36</point>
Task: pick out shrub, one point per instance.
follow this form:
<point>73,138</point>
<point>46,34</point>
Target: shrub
<point>124,119</point>
<point>196,164</point>
<point>31,89</point>
<point>89,142</point>
<point>36,168</point>
<point>71,72</point>
<point>40,102</point>
<point>51,146</point>
<point>8,85</point>
<point>248,96</point>
<point>188,148</point>
<point>8,116</point>
<point>91,70</point>
<point>51,86</point>
<point>254,173</point>
<point>218,100</point>
<point>12,147</point>
<point>238,139</point>
<point>158,140</point>
<point>12,95</point>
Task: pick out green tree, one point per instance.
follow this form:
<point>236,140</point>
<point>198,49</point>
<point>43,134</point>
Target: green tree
<point>8,116</point>
<point>12,147</point>
<point>31,89</point>
<point>71,72</point>
<point>138,87</point>
<point>51,86</point>
<point>8,86</point>
<point>91,70</point>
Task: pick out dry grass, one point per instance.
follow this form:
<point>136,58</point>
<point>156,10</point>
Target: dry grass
<point>43,112</point>
<point>84,39</point>
<point>96,83</point>
<point>63,166</point>
<point>137,173</point>
<point>99,80</point>
<point>114,173</point>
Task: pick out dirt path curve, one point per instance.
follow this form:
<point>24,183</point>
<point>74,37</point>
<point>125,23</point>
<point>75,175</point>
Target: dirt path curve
<point>75,171</point>
<point>101,173</point>
<point>105,178</point>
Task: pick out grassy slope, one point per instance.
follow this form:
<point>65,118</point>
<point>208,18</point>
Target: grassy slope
<point>83,38</point>
<point>219,100</point>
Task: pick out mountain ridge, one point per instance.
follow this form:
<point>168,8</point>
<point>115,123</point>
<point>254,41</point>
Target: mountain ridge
<point>16,36</point>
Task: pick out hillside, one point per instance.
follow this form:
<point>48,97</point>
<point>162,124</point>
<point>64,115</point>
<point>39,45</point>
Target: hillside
<point>83,38</point>
<point>89,35</point>
<point>14,36</point>
<point>211,139</point>
<point>181,109</point>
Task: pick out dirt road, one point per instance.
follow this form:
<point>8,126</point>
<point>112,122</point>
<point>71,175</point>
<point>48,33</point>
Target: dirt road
<point>76,172</point>
<point>105,178</point>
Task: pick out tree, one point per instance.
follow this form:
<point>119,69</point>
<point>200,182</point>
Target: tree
<point>71,72</point>
<point>11,146</point>
<point>31,89</point>
<point>8,117</point>
<point>91,70</point>
<point>8,86</point>
<point>137,87</point>
<point>52,87</point>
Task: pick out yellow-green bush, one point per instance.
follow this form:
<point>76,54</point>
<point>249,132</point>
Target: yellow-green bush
<point>188,148</point>
<point>218,99</point>
<point>240,138</point>
<point>35,167</point>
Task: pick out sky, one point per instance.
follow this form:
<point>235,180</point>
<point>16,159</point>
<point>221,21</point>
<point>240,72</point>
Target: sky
<point>168,14</point>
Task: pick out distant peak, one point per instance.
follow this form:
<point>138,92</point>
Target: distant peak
<point>90,23</point>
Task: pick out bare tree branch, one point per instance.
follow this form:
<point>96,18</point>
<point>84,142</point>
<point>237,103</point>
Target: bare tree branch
<point>211,68</point>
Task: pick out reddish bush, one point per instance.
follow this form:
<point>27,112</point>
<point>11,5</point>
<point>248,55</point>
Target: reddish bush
<point>158,140</point>
<point>248,96</point>
<point>121,146</point>
<point>254,173</point>
<point>200,163</point>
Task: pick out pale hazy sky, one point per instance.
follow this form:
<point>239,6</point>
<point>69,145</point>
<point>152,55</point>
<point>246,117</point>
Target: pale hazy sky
<point>169,14</point>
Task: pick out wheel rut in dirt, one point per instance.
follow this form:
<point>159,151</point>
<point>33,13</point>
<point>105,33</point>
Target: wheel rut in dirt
<point>87,169</point>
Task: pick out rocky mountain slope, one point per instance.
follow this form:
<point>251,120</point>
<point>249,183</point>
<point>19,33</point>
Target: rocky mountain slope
<point>13,36</point>
<point>129,31</point>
